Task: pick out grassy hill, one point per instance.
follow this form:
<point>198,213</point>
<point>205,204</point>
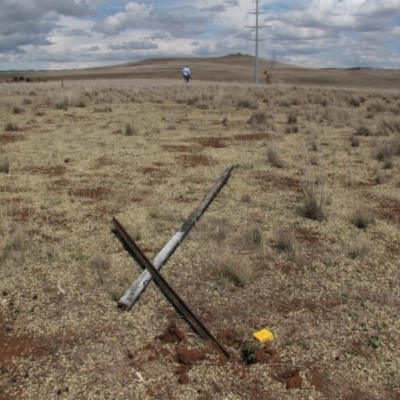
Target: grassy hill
<point>231,68</point>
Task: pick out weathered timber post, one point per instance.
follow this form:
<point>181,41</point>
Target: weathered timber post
<point>137,288</point>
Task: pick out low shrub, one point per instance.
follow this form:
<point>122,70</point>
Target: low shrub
<point>232,268</point>
<point>285,241</point>
<point>362,219</point>
<point>274,158</point>
<point>130,129</point>
<point>314,197</point>
<point>4,164</point>
<point>10,127</point>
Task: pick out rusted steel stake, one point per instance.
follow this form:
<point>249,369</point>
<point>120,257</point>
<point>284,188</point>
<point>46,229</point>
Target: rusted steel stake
<point>170,293</point>
<point>133,294</point>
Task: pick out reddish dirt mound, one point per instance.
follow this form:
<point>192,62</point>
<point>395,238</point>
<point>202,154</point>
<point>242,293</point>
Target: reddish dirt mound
<point>186,358</point>
<point>265,355</point>
<point>172,334</point>
<point>291,378</point>
<point>52,171</point>
<point>5,139</point>
<point>189,356</point>
<point>194,160</point>
<point>226,337</point>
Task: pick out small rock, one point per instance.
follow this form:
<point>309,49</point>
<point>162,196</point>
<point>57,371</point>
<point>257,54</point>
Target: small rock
<point>295,382</point>
<point>183,379</point>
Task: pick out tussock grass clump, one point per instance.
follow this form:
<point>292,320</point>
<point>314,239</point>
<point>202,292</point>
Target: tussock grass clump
<point>252,237</point>
<point>354,101</point>
<point>171,126</point>
<point>383,150</point>
<point>4,164</point>
<point>363,131</point>
<point>130,129</point>
<point>10,127</point>
<point>285,241</point>
<point>100,263</point>
<point>17,110</point>
<point>61,105</point>
<point>388,126</point>
<point>245,198</point>
<point>258,118</point>
<point>291,129</point>
<point>80,104</point>
<point>314,142</point>
<point>363,218</point>
<point>292,117</point>
<point>380,177</point>
<point>26,101</point>
<point>376,106</point>
<point>251,104</point>
<point>359,248</point>
<point>354,141</point>
<point>310,114</point>
<point>274,158</point>
<point>314,195</point>
<point>234,269</point>
<point>219,230</point>
<point>104,109</point>
<point>17,243</point>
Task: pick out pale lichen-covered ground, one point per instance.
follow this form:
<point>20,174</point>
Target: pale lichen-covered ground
<point>325,287</point>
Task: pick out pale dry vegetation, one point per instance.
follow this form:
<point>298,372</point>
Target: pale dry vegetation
<point>303,240</point>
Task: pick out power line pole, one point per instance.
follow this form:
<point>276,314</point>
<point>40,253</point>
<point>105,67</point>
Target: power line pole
<point>257,27</point>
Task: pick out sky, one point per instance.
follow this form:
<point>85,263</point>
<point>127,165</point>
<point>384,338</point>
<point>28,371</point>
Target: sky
<point>63,34</point>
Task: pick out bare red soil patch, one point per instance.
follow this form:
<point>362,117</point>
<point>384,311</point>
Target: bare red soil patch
<point>154,172</point>
<point>389,209</point>
<point>249,137</point>
<point>191,161</point>
<point>95,193</point>
<point>306,235</point>
<point>52,171</point>
<point>271,180</point>
<point>14,345</point>
<point>214,142</point>
<point>59,185</point>
<point>104,162</point>
<point>177,149</point>
<point>22,214</point>
<point>286,183</point>
<point>10,189</point>
<point>6,139</point>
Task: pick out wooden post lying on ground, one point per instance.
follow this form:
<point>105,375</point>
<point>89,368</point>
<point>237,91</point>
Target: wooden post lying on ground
<point>169,292</point>
<point>132,295</point>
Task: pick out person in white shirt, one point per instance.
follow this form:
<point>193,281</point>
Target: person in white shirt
<point>186,74</point>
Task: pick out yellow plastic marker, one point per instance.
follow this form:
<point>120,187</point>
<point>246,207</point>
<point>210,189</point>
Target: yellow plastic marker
<point>263,335</point>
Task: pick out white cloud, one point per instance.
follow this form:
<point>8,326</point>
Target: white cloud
<point>134,16</point>
<point>309,32</point>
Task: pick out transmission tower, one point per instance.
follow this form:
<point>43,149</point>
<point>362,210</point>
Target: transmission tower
<point>257,39</point>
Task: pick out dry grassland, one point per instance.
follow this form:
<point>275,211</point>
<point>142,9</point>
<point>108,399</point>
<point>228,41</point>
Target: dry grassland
<point>304,240</point>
